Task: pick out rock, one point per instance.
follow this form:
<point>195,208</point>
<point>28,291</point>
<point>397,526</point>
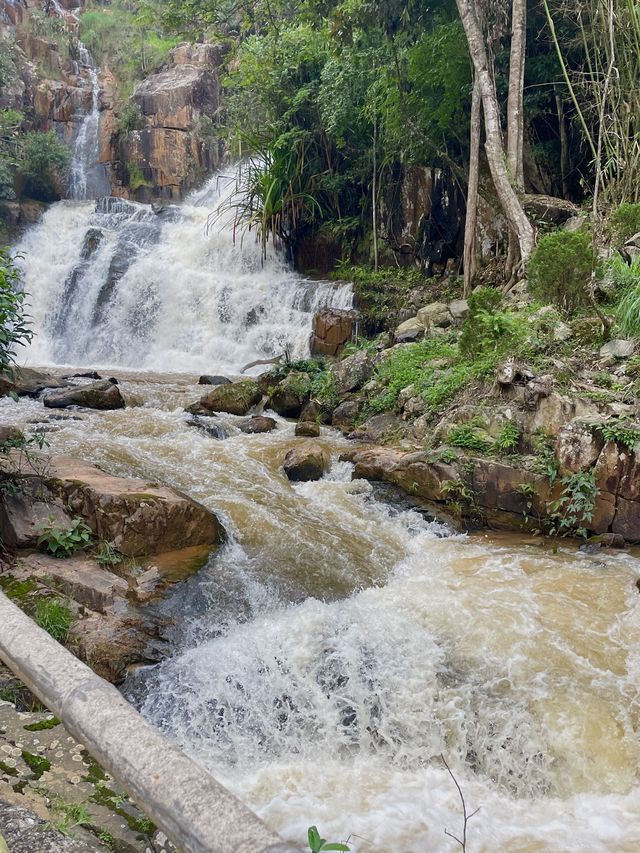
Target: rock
<point>612,540</point>
<point>79,577</point>
<point>331,331</point>
<point>409,331</point>
<point>236,398</point>
<point>291,395</point>
<point>308,429</point>
<point>257,424</point>
<point>315,412</point>
<point>459,309</point>
<point>577,447</point>
<point>537,389</point>
<point>345,415</point>
<point>11,434</point>
<point>551,413</point>
<point>137,517</point>
<point>97,395</point>
<point>26,382</point>
<point>206,379</point>
<point>617,349</point>
<point>306,461</point>
<point>510,372</point>
<point>88,374</point>
<point>405,395</point>
<point>209,425</point>
<point>351,373</point>
<point>378,428</point>
<point>24,832</point>
<point>23,516</point>
<point>435,314</point>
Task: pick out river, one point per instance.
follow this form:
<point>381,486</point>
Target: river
<point>340,644</point>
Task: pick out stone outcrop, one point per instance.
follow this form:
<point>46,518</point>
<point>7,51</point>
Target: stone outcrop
<point>332,329</point>
<point>98,395</point>
<point>290,396</point>
<point>306,461</point>
<point>307,429</point>
<point>26,382</point>
<point>257,424</point>
<point>235,398</point>
<point>173,149</point>
<point>352,372</point>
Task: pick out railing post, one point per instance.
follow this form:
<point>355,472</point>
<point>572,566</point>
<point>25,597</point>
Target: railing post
<point>194,810</point>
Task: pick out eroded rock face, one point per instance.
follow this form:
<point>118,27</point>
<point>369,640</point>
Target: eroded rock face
<point>351,373</point>
<point>306,461</point>
<point>289,398</point>
<point>331,331</point>
<point>25,832</point>
<point>137,517</point>
<point>235,398</point>
<point>98,395</point>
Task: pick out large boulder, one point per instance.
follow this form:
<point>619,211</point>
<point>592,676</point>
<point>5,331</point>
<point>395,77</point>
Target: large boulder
<point>137,517</point>
<point>208,379</point>
<point>290,396</point>
<point>435,314</point>
<point>409,331</point>
<point>26,382</point>
<point>235,399</point>
<point>306,461</point>
<point>307,429</point>
<point>257,424</point>
<point>351,373</point>
<point>617,349</point>
<point>345,415</point>
<point>97,395</point>
<point>331,331</point>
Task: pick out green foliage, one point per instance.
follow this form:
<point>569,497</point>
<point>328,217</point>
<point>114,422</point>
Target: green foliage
<point>136,178</point>
<point>16,467</point>
<point>573,510</point>
<point>14,325</point>
<point>54,617</point>
<point>469,437</point>
<point>627,279</point>
<point>477,328</point>
<point>36,763</point>
<point>560,269</point>
<point>543,446</point>
<point>10,121</point>
<point>70,816</point>
<point>43,162</point>
<point>63,543</point>
<point>620,430</point>
<point>130,118</point>
<point>624,223</point>
<point>106,555</point>
<point>319,845</point>
<point>509,436</point>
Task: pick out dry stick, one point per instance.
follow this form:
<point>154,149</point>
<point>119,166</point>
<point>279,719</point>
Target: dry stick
<point>461,841</point>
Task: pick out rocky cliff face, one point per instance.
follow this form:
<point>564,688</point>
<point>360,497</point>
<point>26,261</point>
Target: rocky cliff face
<point>178,105</point>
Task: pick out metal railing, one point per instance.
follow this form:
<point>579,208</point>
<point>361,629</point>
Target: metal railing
<point>194,810</point>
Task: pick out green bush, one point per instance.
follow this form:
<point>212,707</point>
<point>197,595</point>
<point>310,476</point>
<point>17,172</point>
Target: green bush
<point>624,223</point>
<point>64,543</point>
<point>43,162</point>
<point>476,328</point>
<point>627,279</point>
<point>14,327</point>
<point>560,268</point>
<point>130,118</point>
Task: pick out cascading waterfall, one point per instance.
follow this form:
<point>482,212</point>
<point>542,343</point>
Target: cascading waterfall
<point>132,285</point>
<point>87,178</point>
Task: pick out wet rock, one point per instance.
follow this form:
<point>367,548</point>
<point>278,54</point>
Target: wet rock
<point>235,398</point>
<point>612,540</point>
<point>315,412</point>
<point>207,379</point>
<point>78,577</point>
<point>10,434</point>
<point>331,331</point>
<point>306,461</point>
<point>98,395</point>
<point>435,314</point>
<point>26,382</point>
<point>257,424</point>
<point>345,415</point>
<point>291,395</point>
<point>92,240</point>
<point>88,374</point>
<point>308,429</point>
<point>351,373</point>
<point>617,349</point>
<point>209,425</point>
<point>137,517</point>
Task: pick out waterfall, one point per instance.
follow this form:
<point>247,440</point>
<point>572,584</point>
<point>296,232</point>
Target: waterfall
<point>118,283</point>
<point>87,178</point>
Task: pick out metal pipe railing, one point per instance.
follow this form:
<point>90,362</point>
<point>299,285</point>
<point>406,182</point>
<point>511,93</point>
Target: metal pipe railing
<point>194,810</point>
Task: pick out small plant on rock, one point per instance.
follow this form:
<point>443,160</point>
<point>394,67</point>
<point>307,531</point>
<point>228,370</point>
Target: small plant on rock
<point>621,431</point>
<point>509,436</point>
<point>53,616</point>
<point>469,438</point>
<point>319,845</point>
<point>573,510</point>
<point>63,543</point>
<point>106,555</point>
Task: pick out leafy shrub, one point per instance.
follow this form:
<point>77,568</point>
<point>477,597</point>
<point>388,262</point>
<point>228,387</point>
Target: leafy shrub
<point>476,328</point>
<point>573,510</point>
<point>621,431</point>
<point>130,118</point>
<point>627,277</point>
<point>624,223</point>
<point>43,162</point>
<point>469,437</point>
<point>14,327</point>
<point>53,616</point>
<point>106,555</point>
<point>136,178</point>
<point>64,543</point>
<point>560,269</point>
<point>509,436</point>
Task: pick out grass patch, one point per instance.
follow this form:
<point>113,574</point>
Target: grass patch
<point>53,615</point>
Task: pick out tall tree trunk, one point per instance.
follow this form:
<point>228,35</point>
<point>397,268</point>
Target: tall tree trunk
<point>374,194</point>
<point>515,99</point>
<point>470,257</point>
<point>513,210</point>
<point>565,164</point>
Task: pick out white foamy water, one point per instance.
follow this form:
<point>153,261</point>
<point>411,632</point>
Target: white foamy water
<point>116,283</point>
<point>338,646</point>
<point>87,177</point>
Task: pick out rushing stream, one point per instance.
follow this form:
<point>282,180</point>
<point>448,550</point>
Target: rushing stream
<point>339,645</point>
